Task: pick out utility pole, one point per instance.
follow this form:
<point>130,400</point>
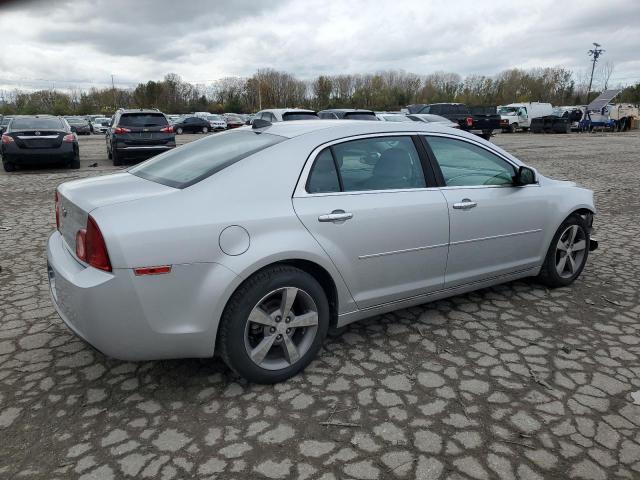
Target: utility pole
<point>113,89</point>
<point>259,95</point>
<point>595,53</point>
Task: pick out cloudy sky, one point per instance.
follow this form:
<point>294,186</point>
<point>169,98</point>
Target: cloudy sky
<point>81,43</point>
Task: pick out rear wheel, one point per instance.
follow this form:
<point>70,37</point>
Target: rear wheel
<point>205,130</point>
<point>179,130</point>
<point>75,163</point>
<point>8,166</point>
<point>567,254</point>
<point>117,159</point>
<point>274,325</point>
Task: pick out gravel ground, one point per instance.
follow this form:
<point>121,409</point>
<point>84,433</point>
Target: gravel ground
<point>515,381</point>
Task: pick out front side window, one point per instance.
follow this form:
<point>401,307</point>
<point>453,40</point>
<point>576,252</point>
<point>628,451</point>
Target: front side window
<point>196,161</point>
<point>464,164</point>
<point>378,163</point>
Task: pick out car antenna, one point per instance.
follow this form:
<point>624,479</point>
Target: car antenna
<point>260,123</point>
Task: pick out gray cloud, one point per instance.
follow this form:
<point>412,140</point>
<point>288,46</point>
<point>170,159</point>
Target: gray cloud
<point>81,43</point>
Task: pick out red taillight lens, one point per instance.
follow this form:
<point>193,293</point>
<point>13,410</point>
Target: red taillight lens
<point>469,122</point>
<point>121,130</point>
<point>56,198</point>
<point>69,138</point>
<point>90,246</point>
<point>152,270</point>
<point>7,139</point>
<point>168,129</point>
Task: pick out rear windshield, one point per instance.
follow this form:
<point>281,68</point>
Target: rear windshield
<point>360,116</point>
<point>299,116</point>
<point>37,124</point>
<point>198,160</point>
<point>76,120</point>
<point>143,120</point>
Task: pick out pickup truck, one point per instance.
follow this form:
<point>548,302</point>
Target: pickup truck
<point>479,120</point>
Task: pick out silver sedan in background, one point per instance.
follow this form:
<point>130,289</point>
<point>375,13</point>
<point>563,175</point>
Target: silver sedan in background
<point>253,243</point>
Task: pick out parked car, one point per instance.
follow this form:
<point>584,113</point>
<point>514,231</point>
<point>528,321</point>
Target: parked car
<point>39,140</point>
<point>347,114</point>
<point>100,124</point>
<point>286,114</point>
<point>4,122</point>
<point>392,117</point>
<point>79,125</point>
<point>138,134</point>
<point>517,116</point>
<point>234,121</point>
<point>430,118</point>
<point>217,122</point>
<point>562,120</point>
<point>479,120</point>
<point>191,124</point>
<point>143,267</point>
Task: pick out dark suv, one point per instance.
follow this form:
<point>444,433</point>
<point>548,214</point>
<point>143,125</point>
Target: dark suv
<point>138,134</point>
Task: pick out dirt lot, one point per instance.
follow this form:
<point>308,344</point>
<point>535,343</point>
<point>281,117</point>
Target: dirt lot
<point>510,382</point>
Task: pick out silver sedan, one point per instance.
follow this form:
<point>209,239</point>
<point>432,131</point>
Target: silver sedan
<point>254,243</point>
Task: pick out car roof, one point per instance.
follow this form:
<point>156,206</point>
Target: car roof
<point>362,110</point>
<point>295,128</point>
<point>285,110</point>
<point>139,110</point>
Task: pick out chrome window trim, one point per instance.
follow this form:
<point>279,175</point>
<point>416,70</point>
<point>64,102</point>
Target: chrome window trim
<point>301,191</point>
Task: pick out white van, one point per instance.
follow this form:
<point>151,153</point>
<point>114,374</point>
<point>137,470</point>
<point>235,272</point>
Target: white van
<point>519,115</point>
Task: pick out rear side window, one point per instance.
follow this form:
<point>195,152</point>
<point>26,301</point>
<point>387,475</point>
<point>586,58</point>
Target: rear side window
<point>198,160</point>
<point>28,123</point>
<point>360,116</point>
<point>327,115</point>
<point>378,163</point>
<point>323,177</point>
<point>299,116</point>
<point>143,120</point>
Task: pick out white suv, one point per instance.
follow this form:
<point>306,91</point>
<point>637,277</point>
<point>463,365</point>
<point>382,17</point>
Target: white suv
<point>284,114</point>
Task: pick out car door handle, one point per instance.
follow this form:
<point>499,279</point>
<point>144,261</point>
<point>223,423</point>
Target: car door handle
<point>465,204</point>
<point>335,216</point>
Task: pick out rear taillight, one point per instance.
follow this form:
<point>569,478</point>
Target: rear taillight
<point>70,138</point>
<point>469,121</point>
<point>90,246</point>
<point>56,198</point>
<point>121,130</point>
<point>7,139</point>
<point>167,129</point>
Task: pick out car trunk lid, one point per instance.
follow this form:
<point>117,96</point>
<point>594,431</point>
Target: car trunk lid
<point>77,199</point>
<point>32,139</point>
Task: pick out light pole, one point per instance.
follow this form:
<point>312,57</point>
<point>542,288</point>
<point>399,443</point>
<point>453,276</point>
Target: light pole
<point>595,53</point>
<point>113,89</point>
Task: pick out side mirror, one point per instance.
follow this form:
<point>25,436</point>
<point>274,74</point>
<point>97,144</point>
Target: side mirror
<point>525,176</point>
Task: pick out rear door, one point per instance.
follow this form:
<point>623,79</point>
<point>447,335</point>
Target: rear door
<point>496,228</point>
<point>370,206</point>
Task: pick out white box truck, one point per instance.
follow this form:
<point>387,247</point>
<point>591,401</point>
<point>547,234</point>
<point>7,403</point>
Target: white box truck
<point>516,116</point>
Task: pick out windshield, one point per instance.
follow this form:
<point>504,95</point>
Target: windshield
<point>299,116</point>
<point>6,120</point>
<point>396,118</point>
<point>214,118</point>
<point>234,119</point>
<point>198,160</point>
<point>360,116</point>
<point>76,120</point>
<point>143,120</point>
<point>508,110</point>
<point>28,123</point>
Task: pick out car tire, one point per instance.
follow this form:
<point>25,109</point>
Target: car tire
<point>75,163</point>
<point>558,273</point>
<point>179,130</point>
<point>108,153</point>
<point>8,166</point>
<point>525,129</point>
<point>205,130</point>
<point>262,297</point>
<point>115,156</point>
<point>513,128</point>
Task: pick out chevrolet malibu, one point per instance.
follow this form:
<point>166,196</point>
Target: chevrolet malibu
<point>255,242</point>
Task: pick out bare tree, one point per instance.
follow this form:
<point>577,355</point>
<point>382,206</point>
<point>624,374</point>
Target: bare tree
<point>606,70</point>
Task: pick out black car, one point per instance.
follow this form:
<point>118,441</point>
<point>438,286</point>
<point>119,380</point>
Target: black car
<point>138,134</point>
<point>348,114</point>
<point>192,125</point>
<point>38,140</point>
<point>479,120</point>
<point>79,125</point>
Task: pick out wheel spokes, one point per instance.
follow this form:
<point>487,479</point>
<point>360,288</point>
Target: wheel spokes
<point>258,315</point>
<point>579,245</point>
<point>572,264</point>
<point>561,264</point>
<point>288,297</point>
<point>562,246</point>
<point>262,349</point>
<point>290,350</point>
<point>309,319</point>
<point>573,231</point>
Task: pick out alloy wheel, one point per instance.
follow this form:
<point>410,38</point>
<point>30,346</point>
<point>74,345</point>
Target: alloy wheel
<point>570,251</point>
<point>281,328</point>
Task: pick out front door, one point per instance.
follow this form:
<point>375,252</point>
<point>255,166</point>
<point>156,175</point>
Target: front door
<point>367,203</point>
<point>496,227</point>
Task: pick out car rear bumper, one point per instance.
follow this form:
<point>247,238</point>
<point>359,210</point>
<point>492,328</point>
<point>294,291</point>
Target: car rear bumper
<point>14,154</point>
<point>138,318</point>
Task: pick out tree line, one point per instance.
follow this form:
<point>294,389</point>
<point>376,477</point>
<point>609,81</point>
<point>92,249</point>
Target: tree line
<point>268,88</point>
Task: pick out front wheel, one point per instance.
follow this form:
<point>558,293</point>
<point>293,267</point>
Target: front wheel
<point>513,127</point>
<point>567,254</point>
<point>274,325</point>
